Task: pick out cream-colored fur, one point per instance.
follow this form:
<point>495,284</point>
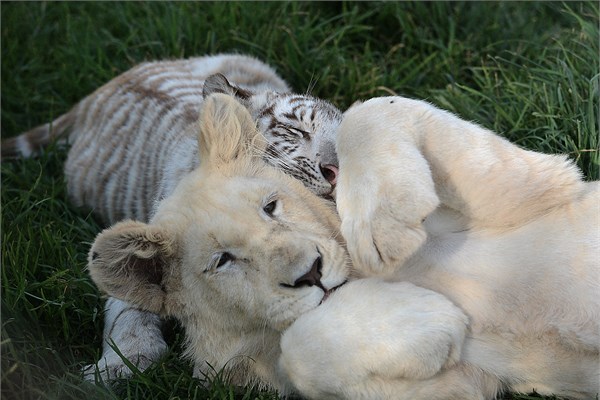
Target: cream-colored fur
<point>510,236</point>
<point>478,294</point>
<point>234,313</point>
<point>403,159</point>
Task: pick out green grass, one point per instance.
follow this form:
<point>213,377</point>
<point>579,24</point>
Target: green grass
<point>526,70</point>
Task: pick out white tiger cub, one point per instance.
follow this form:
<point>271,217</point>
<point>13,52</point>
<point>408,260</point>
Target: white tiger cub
<point>133,139</point>
<point>494,296</point>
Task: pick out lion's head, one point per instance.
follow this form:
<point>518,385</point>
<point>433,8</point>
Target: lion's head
<point>237,253</point>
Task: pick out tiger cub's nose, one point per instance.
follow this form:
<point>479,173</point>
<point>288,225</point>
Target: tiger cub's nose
<point>330,173</point>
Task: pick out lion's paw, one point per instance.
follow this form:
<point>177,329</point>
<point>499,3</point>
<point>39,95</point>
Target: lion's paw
<point>372,329</point>
<point>380,241</point>
<point>384,193</point>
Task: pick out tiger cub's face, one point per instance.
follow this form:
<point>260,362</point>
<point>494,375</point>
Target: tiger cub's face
<point>300,131</point>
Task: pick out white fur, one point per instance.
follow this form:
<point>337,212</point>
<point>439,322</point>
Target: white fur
<point>233,314</point>
<point>137,336</point>
<point>488,252</point>
<point>332,352</point>
<point>510,236</point>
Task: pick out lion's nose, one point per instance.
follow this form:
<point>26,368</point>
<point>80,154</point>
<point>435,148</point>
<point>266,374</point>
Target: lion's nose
<point>312,277</point>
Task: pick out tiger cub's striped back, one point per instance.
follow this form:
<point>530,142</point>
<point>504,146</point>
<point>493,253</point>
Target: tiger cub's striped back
<point>134,138</point>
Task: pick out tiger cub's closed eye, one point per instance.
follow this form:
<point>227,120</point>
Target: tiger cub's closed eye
<point>303,134</point>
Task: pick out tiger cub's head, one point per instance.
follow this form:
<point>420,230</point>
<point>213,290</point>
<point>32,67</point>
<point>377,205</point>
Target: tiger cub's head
<point>300,131</point>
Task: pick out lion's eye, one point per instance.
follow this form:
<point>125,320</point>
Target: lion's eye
<point>224,259</point>
<point>269,209</point>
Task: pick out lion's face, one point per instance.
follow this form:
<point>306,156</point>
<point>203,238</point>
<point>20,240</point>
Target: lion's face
<point>254,245</point>
<point>238,252</point>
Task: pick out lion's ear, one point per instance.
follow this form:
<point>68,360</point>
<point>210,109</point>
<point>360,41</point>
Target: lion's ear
<point>130,261</point>
<point>227,131</point>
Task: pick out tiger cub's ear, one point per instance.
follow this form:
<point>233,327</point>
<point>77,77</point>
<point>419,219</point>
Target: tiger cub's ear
<point>133,261</point>
<point>218,83</point>
<point>227,131</point>
<point>253,101</point>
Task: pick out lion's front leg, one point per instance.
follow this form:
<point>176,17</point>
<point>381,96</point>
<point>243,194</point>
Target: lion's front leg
<point>137,336</point>
<point>385,190</point>
<point>371,332</point>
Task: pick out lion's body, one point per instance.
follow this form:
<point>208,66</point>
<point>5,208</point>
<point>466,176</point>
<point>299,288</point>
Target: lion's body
<point>216,209</point>
<point>476,294</point>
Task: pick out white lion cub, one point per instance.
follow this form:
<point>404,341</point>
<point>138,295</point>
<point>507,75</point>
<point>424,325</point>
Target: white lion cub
<point>510,236</point>
<point>479,296</point>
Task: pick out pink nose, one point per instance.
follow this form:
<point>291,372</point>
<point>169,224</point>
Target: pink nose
<point>330,172</point>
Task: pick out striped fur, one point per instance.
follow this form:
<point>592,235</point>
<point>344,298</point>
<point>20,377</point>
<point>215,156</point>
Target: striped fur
<point>135,137</point>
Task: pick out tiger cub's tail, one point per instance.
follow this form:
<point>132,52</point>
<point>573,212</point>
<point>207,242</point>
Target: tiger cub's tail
<point>30,143</point>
